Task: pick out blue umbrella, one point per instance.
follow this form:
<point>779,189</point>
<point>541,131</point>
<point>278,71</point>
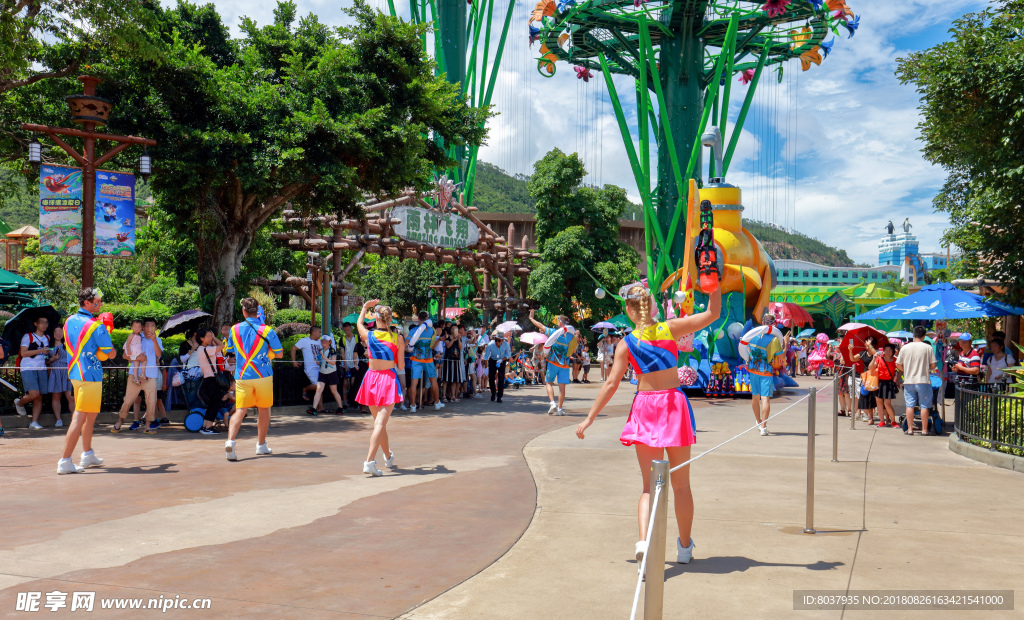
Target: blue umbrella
<point>939,301</point>
<point>807,333</point>
<point>902,335</point>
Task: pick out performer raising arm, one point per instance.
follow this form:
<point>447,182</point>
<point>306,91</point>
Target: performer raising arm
<point>380,390</point>
<point>660,419</point>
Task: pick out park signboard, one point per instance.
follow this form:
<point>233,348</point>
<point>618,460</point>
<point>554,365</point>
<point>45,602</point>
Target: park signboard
<point>60,212</point>
<point>445,230</point>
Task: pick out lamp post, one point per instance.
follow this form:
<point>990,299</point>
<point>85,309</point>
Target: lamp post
<point>89,111</point>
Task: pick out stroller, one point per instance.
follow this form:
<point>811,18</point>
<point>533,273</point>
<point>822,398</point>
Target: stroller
<point>188,389</point>
<point>935,421</point>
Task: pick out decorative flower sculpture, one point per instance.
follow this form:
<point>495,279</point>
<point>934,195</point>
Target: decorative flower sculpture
<point>534,34</point>
<point>746,76</point>
<point>444,192</point>
<point>565,4</point>
<point>817,4</point>
<point>826,47</point>
<point>852,25</point>
<point>583,73</point>
<point>810,56</point>
<point>839,6</point>
<point>774,8</point>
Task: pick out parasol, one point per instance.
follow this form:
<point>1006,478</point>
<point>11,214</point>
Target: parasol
<point>807,333</point>
<point>24,323</point>
<point>790,314</point>
<point>857,333</point>
<point>508,326</point>
<point>902,335</point>
<point>602,325</point>
<point>533,338</point>
<point>184,322</point>
<point>621,321</point>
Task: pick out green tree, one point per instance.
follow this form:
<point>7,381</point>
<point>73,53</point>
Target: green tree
<point>293,112</point>
<point>972,105</point>
<point>577,232</point>
<point>403,284</point>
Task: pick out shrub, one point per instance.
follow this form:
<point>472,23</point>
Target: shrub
<point>124,313</point>
<point>120,336</point>
<point>182,298</point>
<point>292,315</point>
<point>267,301</point>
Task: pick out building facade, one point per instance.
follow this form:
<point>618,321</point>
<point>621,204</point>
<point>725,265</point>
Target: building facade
<point>804,273</point>
<point>895,248</point>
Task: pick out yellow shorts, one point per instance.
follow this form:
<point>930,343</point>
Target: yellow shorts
<point>88,395</point>
<point>254,393</point>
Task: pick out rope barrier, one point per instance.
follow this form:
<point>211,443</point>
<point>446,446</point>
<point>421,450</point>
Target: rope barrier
<point>647,543</point>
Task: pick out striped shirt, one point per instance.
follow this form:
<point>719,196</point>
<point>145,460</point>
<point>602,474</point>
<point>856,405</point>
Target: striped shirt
<point>253,344</point>
<point>89,344</point>
<point>970,359</point>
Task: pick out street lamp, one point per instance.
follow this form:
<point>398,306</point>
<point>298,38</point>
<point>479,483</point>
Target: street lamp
<point>35,152</point>
<point>89,111</point>
<point>145,164</point>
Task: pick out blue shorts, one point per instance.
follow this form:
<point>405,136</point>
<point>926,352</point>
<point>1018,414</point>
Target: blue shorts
<point>762,386</point>
<point>556,375</point>
<point>424,370</point>
<point>918,395</point>
<point>35,380</point>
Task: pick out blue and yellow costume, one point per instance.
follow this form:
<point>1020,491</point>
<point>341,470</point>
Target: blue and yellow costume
<point>381,388</point>
<point>254,345</point>
<point>558,356</point>
<point>423,352</point>
<point>88,341</point>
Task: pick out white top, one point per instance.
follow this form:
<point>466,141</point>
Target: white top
<point>310,351</point>
<point>995,368</point>
<point>350,350</point>
<point>36,361</point>
<point>917,360</point>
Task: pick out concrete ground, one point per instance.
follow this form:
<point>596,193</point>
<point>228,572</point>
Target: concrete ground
<point>498,512</point>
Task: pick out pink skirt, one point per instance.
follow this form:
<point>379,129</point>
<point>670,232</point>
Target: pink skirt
<point>380,388</point>
<point>662,419</point>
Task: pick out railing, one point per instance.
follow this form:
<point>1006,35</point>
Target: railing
<point>988,414</point>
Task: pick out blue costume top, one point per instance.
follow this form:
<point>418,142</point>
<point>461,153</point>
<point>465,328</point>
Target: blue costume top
<point>383,345</point>
<point>89,343</point>
<point>653,350</point>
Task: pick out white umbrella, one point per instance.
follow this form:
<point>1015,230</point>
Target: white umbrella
<point>533,338</point>
<point>508,326</point>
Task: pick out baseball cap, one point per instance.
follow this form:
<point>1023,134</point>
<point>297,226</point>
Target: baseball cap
<point>966,336</point>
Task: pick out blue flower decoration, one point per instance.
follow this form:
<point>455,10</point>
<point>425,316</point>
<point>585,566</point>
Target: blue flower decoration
<point>826,46</point>
<point>817,4</point>
<point>564,4</point>
<point>534,34</point>
<point>852,26</point>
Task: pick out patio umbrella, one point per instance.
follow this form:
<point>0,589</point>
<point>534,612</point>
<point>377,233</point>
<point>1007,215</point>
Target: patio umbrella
<point>807,333</point>
<point>857,334</point>
<point>602,326</point>
<point>351,318</point>
<point>24,322</point>
<point>184,322</point>
<point>621,321</point>
<point>902,335</point>
<point>940,301</point>
<point>533,338</point>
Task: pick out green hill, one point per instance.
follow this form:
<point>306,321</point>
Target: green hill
<point>797,246</point>
<point>498,192</point>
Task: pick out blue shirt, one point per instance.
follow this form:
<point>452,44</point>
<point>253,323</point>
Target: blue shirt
<point>494,352</point>
<point>152,359</point>
<point>251,350</point>
<point>89,343</point>
<point>421,351</point>
<point>559,355</point>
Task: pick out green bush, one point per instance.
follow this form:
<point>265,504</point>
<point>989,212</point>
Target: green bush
<point>292,315</point>
<point>177,298</point>
<point>124,313</point>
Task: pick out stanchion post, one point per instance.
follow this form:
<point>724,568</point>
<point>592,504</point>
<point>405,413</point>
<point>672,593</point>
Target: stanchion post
<point>811,398</point>
<point>853,401</point>
<point>654,590</point>
<point>835,422</point>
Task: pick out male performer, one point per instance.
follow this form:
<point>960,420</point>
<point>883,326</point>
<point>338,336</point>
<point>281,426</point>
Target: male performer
<point>559,348</point>
<point>421,343</point>
<point>88,343</point>
<point>254,345</point>
<point>496,355</point>
<point>766,355</point>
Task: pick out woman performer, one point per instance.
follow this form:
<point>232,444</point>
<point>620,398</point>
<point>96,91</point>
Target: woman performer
<point>660,419</point>
<point>380,390</point>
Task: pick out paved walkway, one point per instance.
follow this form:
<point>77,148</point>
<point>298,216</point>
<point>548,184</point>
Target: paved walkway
<point>895,512</point>
<point>497,512</point>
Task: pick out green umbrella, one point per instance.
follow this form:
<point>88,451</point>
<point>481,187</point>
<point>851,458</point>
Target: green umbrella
<point>352,318</point>
<point>621,321</point>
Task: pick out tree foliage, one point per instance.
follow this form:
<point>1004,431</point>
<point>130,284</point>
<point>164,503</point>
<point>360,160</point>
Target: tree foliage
<point>403,284</point>
<point>577,232</point>
<point>496,191</point>
<point>972,107</point>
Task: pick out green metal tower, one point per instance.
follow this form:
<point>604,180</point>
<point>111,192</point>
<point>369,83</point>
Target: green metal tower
<point>683,56</point>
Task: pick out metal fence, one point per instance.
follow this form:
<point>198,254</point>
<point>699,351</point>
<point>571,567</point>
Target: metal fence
<point>989,414</point>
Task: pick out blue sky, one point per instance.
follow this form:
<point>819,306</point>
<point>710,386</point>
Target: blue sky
<point>836,158</point>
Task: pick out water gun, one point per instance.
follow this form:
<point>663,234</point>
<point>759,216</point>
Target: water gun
<point>107,319</point>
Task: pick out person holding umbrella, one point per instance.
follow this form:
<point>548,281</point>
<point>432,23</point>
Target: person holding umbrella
<point>35,348</point>
<point>89,343</point>
<point>560,347</point>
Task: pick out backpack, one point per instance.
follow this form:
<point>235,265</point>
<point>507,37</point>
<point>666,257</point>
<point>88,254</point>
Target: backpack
<point>32,346</point>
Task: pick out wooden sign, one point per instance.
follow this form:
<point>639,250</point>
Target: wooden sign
<point>446,230</point>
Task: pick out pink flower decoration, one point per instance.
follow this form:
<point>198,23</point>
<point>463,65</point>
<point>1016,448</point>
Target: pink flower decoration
<point>583,73</point>
<point>774,8</point>
<point>839,15</point>
<point>746,76</point>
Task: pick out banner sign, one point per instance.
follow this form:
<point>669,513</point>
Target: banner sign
<point>60,210</point>
<point>115,214</point>
<point>446,230</point>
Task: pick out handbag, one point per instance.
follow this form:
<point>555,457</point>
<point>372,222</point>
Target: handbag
<point>869,380</point>
<point>222,377</point>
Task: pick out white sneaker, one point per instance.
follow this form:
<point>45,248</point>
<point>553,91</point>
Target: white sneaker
<point>35,426</point>
<point>684,554</point>
<point>229,450</point>
<point>263,449</point>
<point>390,462</point>
<point>412,409</point>
<point>403,407</point>
<point>552,408</point>
<point>20,407</point>
<point>438,406</point>
<point>764,431</point>
<point>59,423</point>
<point>67,466</point>
<point>641,548</point>
<point>89,460</point>
<point>560,411</point>
<point>370,467</point>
